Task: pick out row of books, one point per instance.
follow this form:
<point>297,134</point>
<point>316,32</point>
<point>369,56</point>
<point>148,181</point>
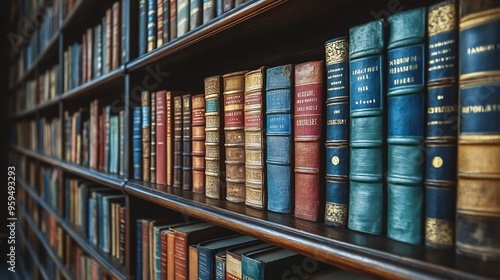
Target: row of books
<point>25,135</point>
<point>161,21</point>
<point>48,84</point>
<point>98,53</point>
<point>26,96</point>
<point>49,133</point>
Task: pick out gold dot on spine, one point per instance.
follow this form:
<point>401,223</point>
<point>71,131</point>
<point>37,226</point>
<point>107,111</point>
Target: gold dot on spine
<point>335,160</point>
<point>437,162</point>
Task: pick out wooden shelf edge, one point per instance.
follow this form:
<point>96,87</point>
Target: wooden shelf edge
<point>80,90</point>
<point>33,254</point>
<point>23,113</point>
<point>215,26</point>
<point>67,20</point>
<point>86,246</point>
<point>47,246</point>
<point>49,103</point>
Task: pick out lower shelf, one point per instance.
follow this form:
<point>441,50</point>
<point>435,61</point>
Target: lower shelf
<point>32,253</point>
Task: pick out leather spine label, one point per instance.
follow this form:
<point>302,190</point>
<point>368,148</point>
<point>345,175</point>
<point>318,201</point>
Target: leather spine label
<point>442,111</point>
<point>406,67</point>
<point>308,110</point>
<point>279,124</point>
<point>479,105</point>
<point>366,83</point>
<point>233,110</point>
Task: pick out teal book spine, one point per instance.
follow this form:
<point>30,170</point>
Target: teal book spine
<point>367,131</point>
<point>114,145</point>
<point>251,269</point>
<point>405,133</point>
<point>157,265</point>
<point>182,17</point>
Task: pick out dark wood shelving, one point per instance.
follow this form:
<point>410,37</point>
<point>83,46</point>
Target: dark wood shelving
<point>109,264</point>
<point>48,104</point>
<point>43,240</point>
<point>358,252</point>
<point>24,113</point>
<point>32,253</point>
<point>36,155</point>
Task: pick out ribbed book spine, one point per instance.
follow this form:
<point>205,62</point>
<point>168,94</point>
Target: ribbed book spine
<point>308,125</point>
<point>173,19</point>
<point>182,17</point>
<point>215,168</point>
<point>169,144</point>
<point>195,13</point>
<point>337,132</point>
<point>478,185</point>
<point>146,137</point>
<point>442,116</point>
<point>234,125</point>
<point>152,168</point>
<point>97,54</point>
<point>186,143</point>
<point>208,10</point>
<point>161,156</point>
<point>405,135</point>
<point>159,23</point>
<point>143,26</point>
<point>166,21</point>
<point>177,142</point>
<point>366,182</point>
<point>121,134</point>
<point>198,143</point>
<point>137,143</point>
<point>116,37</point>
<point>255,187</point>
<point>151,28</point>
<point>279,142</point>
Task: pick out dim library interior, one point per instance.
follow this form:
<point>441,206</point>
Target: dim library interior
<point>252,139</point>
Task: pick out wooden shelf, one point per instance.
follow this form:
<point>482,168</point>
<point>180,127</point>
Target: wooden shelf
<point>109,264</point>
<point>358,252</point>
<point>43,240</point>
<point>32,253</point>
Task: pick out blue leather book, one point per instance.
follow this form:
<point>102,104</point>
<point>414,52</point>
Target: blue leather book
<point>137,143</point>
<point>220,7</point>
<point>151,25</point>
<point>279,120</point>
<point>107,149</point>
<point>195,13</point>
<point>337,132</point>
<point>442,117</point>
<point>209,10</point>
<point>113,144</point>
<point>182,17</point>
<point>367,107</point>
<point>138,275</point>
<point>405,135</point>
<point>220,266</point>
<point>143,30</point>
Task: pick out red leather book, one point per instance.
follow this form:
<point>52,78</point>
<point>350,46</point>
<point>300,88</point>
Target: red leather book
<point>169,145</point>
<point>116,37</point>
<point>159,22</point>
<point>187,175</point>
<point>109,28</point>
<point>164,254</point>
<point>161,156</point>
<point>198,140</point>
<point>145,249</point>
<point>90,47</point>
<point>152,168</point>
<point>308,138</point>
<point>173,19</point>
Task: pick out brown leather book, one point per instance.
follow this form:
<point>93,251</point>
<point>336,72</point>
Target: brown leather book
<point>215,168</point>
<point>108,40</point>
<point>145,249</point>
<point>169,144</point>
<point>308,138</point>
<point>193,262</point>
<point>95,135</point>
<point>90,47</point>
<point>152,177</point>
<point>146,137</point>
<point>171,255</point>
<point>159,22</point>
<point>234,124</point>
<point>164,254</point>
<point>173,19</point>
<point>122,246</point>
<point>186,142</point>
<point>255,158</point>
<point>161,155</point>
<point>198,143</point>
<point>177,142</point>
<point>116,37</point>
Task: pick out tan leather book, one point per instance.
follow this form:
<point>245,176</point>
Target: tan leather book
<point>116,37</point>
<point>146,139</point>
<point>198,143</point>
<point>193,262</point>
<point>109,29</point>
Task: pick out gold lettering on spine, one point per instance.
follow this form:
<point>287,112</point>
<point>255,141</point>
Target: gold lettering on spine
<point>439,232</point>
<point>254,175</point>
<point>336,213</point>
<point>442,19</point>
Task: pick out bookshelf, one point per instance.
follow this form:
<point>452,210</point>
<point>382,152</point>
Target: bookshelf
<point>257,33</point>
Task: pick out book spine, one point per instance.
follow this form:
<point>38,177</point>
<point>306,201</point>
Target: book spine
<point>405,135</point>
<point>159,23</point>
<point>220,267</point>
<point>158,256</point>
<point>227,5</point>
<point>337,132</point>
<point>182,17</point>
<point>161,155</point>
<point>107,29</point>
<point>171,255</point>
<point>186,143</point>
<point>114,145</point>
<point>145,249</point>
<point>234,125</point>
<point>146,139</point>
<point>204,264</point>
<point>478,203</point>
<point>96,136</point>
<point>308,123</point>
<point>442,116</point>
<point>152,168</point>
<point>251,269</point>
<point>215,172</point>
<point>177,142</point>
<point>366,189</point>
<point>219,9</point>
<point>166,21</point>
<point>198,143</point>
<point>121,133</point>
<point>107,138</point>
<point>164,254</point>
<point>90,54</point>
<point>208,10</point>
<point>125,15</point>
<point>122,246</point>
<point>193,262</point>
<point>173,19</point>
<point>169,145</point>
<point>116,37</point>
<point>97,53</point>
<point>255,187</point>
<point>137,143</point>
<point>279,160</point>
<point>143,28</point>
<point>151,28</point>
<point>233,265</point>
<point>195,13</point>
<point>181,256</point>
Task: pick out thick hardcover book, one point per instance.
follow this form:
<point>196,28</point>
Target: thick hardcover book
<point>94,134</point>
<point>90,54</point>
<point>177,182</point>
<point>186,143</point>
<point>478,191</point>
<point>308,125</point>
<point>441,138</point>
<point>164,253</point>
<point>114,146</point>
<point>166,21</point>
<point>159,22</point>
<point>122,246</point>
<point>169,139</point>
<point>107,31</point>
<point>84,63</point>
<point>137,143</point>
<point>145,248</point>
<point>152,168</point>
<point>215,168</point>
<point>106,112</point>
<point>97,51</point>
<point>279,142</point>
<point>121,134</point>
<point>198,143</point>
<point>193,262</point>
<point>143,27</point>
<point>173,19</point>
<point>151,25</point>
<point>255,187</point>
<point>146,137</point>
<point>233,258</point>
<point>116,37</point>
<point>220,266</point>
<point>208,10</point>
<point>182,17</point>
<point>337,132</point>
<point>234,124</point>
<point>207,251</point>
<point>195,13</point>
<point>405,135</point>
<point>161,155</point>
<point>366,171</point>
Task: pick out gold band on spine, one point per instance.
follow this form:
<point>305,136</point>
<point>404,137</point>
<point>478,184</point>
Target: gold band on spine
<point>336,52</point>
<point>439,233</point>
<point>336,214</point>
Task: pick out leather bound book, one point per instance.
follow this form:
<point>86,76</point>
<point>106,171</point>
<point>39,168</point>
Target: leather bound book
<point>219,8</point>
<point>208,10</point>
<point>159,23</point>
<point>405,135</point>
<point>220,266</point>
<point>193,262</point>
<point>121,252</point>
<point>173,19</point>
<point>366,182</point>
<point>234,86</point>
<point>84,63</point>
<point>125,15</point>
<point>337,132</point>
<point>182,17</point>
<point>143,26</point>
<point>279,142</point>
<point>308,125</point>
<point>137,143</point>
<point>151,27</point>
<point>113,144</point>
<point>98,63</point>
<point>255,187</point>
<point>107,37</point>
<point>166,21</point>
<point>145,248</point>
<point>164,253</point>
<point>146,137</point>
<point>161,155</point>
<point>90,44</point>
<point>195,12</point>
<point>106,111</point>
<point>152,168</point>
<point>442,116</point>
<point>169,142</point>
<point>478,185</point>
<point>94,137</point>
<point>116,37</point>
<point>215,168</point>
<point>177,182</point>
<point>121,134</point>
<point>227,5</point>
<point>186,142</point>
<point>198,143</point>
